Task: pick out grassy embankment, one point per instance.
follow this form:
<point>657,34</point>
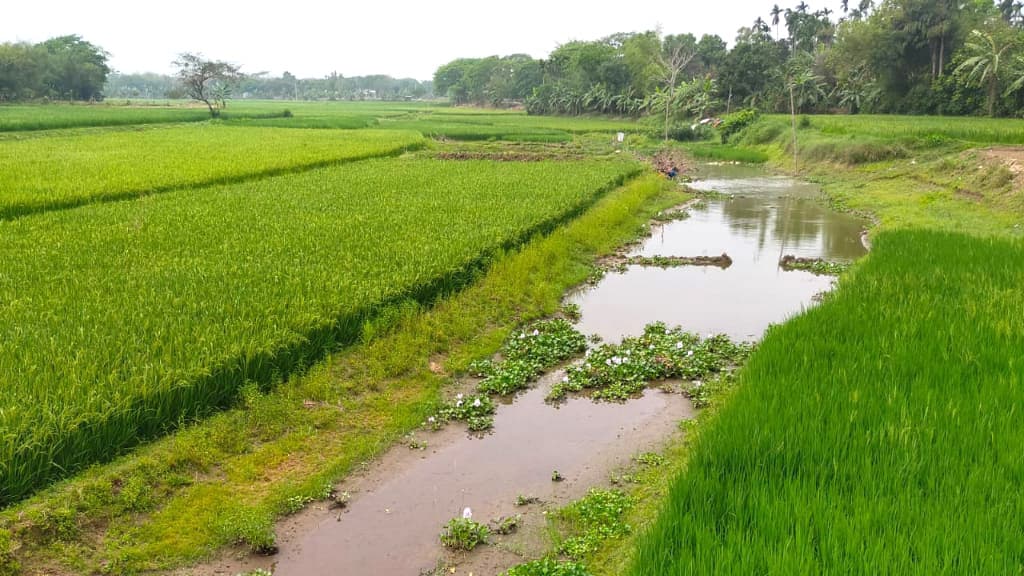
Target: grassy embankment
<point>872,434</point>
<point>28,117</point>
<point>875,434</point>
<point>226,479</point>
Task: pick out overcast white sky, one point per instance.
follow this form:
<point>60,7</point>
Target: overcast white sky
<point>397,37</point>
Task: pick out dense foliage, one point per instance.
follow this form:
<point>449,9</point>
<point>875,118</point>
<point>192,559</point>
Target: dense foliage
<point>63,68</point>
<point>903,56</point>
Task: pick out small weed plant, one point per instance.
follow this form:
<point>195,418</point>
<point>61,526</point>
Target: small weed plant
<point>464,534</point>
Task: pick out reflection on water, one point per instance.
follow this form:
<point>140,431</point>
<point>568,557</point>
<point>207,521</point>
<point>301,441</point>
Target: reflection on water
<point>768,218</point>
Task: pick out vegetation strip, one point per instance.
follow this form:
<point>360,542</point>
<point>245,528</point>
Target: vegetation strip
<point>104,166</point>
<point>893,399</point>
<point>813,265</point>
<point>32,117</point>
<point>308,259</point>
<point>226,479</point>
<point>723,261</point>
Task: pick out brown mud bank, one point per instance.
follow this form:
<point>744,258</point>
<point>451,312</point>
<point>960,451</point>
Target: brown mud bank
<point>398,505</point>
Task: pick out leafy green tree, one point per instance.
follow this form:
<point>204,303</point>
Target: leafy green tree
<point>75,69</point>
<point>21,71</point>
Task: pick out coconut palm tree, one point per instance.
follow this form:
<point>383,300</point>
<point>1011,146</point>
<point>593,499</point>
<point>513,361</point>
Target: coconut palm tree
<point>776,11</point>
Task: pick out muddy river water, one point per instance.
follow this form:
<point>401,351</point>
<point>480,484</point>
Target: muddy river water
<point>400,502</point>
<point>766,218</point>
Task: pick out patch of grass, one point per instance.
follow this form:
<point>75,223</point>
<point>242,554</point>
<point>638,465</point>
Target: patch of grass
<point>549,567</point>
<point>25,117</point>
<point>920,131</point>
<point>343,412</point>
<point>884,420</point>
<point>726,153</point>
<point>113,165</point>
<point>590,521</point>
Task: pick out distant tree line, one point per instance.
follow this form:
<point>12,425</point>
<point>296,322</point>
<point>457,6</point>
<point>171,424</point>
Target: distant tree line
<point>63,68</point>
<point>958,57</point>
<point>70,68</point>
<point>285,87</point>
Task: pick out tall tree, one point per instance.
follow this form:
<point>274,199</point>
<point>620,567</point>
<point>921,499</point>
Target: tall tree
<point>75,69</point>
<point>674,57</point>
<point>986,63</point>
<point>208,81</point>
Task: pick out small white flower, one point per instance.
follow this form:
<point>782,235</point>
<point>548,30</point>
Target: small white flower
<point>536,332</point>
<point>689,353</point>
<point>476,403</point>
<point>522,335</point>
<point>679,345</point>
<point>458,404</point>
<point>458,396</point>
<point>709,336</point>
<point>431,419</point>
<point>565,379</point>
<point>608,361</point>
<point>467,513</point>
<point>651,347</point>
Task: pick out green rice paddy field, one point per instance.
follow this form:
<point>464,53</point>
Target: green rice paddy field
<point>149,273</point>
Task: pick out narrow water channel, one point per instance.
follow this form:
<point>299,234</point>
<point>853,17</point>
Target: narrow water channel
<point>400,503</point>
<point>766,218</point>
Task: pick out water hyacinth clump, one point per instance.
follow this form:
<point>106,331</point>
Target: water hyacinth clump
<point>477,411</point>
<point>619,371</point>
<point>528,353</point>
<point>464,533</point>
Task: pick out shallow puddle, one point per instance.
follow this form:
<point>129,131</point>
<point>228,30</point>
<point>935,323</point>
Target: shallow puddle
<point>768,218</point>
<point>392,524</point>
